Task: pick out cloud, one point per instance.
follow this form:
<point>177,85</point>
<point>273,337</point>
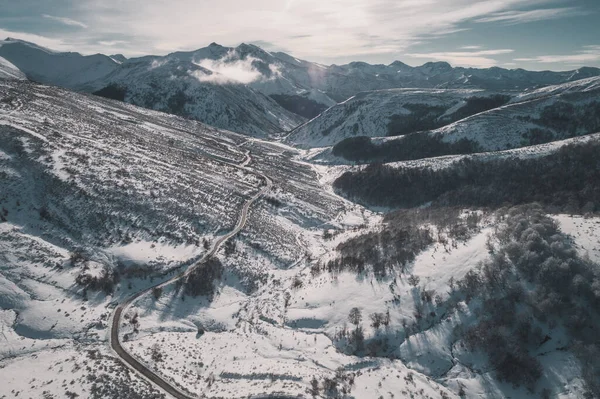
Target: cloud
<point>518,17</point>
<point>480,59</point>
<point>470,47</point>
<point>587,54</point>
<point>65,21</point>
<point>111,43</point>
<point>312,29</point>
<point>229,69</point>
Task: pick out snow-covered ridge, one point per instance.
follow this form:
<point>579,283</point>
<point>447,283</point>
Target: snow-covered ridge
<point>527,118</point>
<point>372,114</point>
<point>10,71</point>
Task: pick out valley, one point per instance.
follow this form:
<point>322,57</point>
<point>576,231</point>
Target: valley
<point>342,231</point>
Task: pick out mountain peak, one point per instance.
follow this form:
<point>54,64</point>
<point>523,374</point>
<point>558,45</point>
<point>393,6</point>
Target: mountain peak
<point>400,65</point>
<point>437,66</point>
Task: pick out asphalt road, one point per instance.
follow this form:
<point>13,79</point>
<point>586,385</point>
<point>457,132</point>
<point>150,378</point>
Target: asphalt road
<point>122,307</point>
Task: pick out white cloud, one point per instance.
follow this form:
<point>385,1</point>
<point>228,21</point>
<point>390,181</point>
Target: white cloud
<point>111,43</point>
<point>314,29</point>
<point>480,59</point>
<point>587,54</point>
<point>65,21</point>
<point>470,47</point>
<point>229,69</point>
<point>517,17</point>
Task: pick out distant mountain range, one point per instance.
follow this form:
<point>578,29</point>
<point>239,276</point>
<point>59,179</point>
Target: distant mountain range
<point>245,88</point>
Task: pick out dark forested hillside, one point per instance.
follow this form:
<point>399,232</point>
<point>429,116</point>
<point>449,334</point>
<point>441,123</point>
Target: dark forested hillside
<point>427,117</point>
<point>568,179</point>
<point>412,146</point>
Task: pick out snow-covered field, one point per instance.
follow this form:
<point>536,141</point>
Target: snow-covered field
<point>92,189</point>
<point>585,233</point>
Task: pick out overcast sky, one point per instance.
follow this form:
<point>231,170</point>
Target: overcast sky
<point>532,34</point>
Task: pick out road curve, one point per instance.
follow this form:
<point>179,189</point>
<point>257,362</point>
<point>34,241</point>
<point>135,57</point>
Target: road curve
<point>138,366</point>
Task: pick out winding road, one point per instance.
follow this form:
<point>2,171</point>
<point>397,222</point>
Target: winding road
<point>115,344</point>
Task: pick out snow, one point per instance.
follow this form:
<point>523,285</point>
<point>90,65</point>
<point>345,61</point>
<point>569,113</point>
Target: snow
<point>582,85</point>
<point>142,252</point>
<point>437,265</point>
<point>370,113</point>
<point>146,188</point>
<point>585,232</point>
<point>56,370</point>
<point>9,71</point>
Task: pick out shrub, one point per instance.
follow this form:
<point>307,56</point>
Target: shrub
<point>157,292</point>
<point>201,280</point>
<point>355,316</point>
<point>105,281</point>
<point>534,277</point>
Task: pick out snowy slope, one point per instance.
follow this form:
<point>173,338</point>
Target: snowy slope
<point>531,117</point>
<point>91,185</point>
<point>93,188</point>
<point>376,114</point>
<point>9,71</point>
<point>543,110</point>
<point>186,89</point>
<point>585,85</point>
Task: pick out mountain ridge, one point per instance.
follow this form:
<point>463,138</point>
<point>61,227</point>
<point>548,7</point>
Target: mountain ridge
<point>213,84</point>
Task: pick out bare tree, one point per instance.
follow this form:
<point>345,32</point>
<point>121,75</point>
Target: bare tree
<point>355,316</point>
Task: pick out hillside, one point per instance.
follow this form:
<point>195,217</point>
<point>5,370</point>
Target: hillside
<point>528,118</point>
<point>181,88</point>
<point>393,112</point>
<point>71,70</point>
<point>561,174</point>
<point>9,71</point>
<point>101,199</point>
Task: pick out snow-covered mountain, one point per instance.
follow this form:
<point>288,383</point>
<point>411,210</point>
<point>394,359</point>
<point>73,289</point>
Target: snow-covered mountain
<point>186,89</point>
<point>248,89</point>
<point>347,80</point>
<point>490,120</point>
<point>70,70</point>
<point>291,82</point>
<point>283,74</point>
<point>533,117</point>
<point>173,84</point>
<point>393,112</point>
